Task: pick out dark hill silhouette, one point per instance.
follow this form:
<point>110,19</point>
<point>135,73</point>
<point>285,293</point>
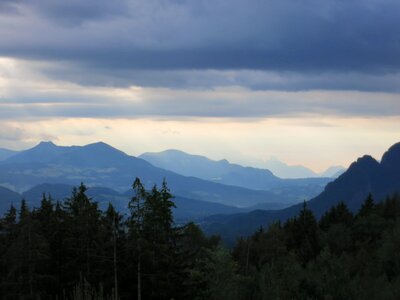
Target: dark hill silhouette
<point>363,177</point>
<point>8,197</point>
<point>57,192</point>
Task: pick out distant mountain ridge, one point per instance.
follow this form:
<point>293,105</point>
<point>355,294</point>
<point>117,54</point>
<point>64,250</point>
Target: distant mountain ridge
<point>333,172</point>
<point>202,167</point>
<point>99,164</point>
<point>364,176</point>
<point>97,154</point>
<point>284,170</point>
<point>223,171</point>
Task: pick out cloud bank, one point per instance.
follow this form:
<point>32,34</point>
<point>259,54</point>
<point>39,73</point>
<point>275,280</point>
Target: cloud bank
<point>293,40</point>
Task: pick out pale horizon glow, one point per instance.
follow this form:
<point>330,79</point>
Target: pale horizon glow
<point>249,143</point>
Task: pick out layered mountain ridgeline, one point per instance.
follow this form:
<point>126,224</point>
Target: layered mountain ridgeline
<point>365,176</point>
<point>186,209</point>
<point>233,174</point>
<point>102,165</point>
<point>226,172</point>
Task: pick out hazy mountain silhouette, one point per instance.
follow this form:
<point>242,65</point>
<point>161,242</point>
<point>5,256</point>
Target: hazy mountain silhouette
<point>333,172</point>
<point>284,170</point>
<point>364,176</point>
<point>225,172</point>
<point>99,164</point>
<point>205,168</point>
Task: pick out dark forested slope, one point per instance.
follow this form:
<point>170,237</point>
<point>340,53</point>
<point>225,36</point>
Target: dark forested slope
<point>365,176</point>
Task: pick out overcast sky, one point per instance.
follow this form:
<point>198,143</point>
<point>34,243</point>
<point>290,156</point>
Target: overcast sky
<point>313,82</point>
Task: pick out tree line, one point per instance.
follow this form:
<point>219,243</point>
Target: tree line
<point>73,250</point>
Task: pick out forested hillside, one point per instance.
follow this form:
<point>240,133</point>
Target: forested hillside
<point>364,176</point>
<point>72,250</point>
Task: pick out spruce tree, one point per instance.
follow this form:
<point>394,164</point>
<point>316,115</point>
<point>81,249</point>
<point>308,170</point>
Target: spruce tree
<point>82,236</point>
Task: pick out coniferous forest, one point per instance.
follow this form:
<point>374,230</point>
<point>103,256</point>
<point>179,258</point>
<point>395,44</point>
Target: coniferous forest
<point>72,250</point>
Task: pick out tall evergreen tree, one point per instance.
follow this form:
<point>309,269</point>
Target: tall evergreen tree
<point>338,214</point>
<point>9,220</point>
<point>112,240</point>
<point>302,234</point>
<point>154,238</point>
<point>82,236</point>
<point>136,223</point>
<point>368,207</point>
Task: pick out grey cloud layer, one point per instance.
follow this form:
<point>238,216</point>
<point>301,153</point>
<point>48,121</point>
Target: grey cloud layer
<point>306,35</point>
<point>222,103</point>
<point>252,79</point>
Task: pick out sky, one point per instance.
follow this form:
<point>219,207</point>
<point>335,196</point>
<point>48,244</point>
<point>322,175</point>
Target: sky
<point>312,82</point>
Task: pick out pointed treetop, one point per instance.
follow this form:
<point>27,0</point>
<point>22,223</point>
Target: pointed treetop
<point>368,207</point>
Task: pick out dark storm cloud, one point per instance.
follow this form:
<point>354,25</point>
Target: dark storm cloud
<point>300,36</point>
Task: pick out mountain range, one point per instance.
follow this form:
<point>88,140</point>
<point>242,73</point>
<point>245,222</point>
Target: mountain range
<point>100,165</point>
<point>224,172</point>
<point>218,203</point>
<point>364,176</point>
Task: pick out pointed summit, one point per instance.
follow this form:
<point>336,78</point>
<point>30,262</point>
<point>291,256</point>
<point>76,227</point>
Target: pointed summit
<point>102,147</point>
<point>97,153</point>
<point>42,152</point>
<point>333,172</point>
<point>45,144</point>
<point>364,176</point>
